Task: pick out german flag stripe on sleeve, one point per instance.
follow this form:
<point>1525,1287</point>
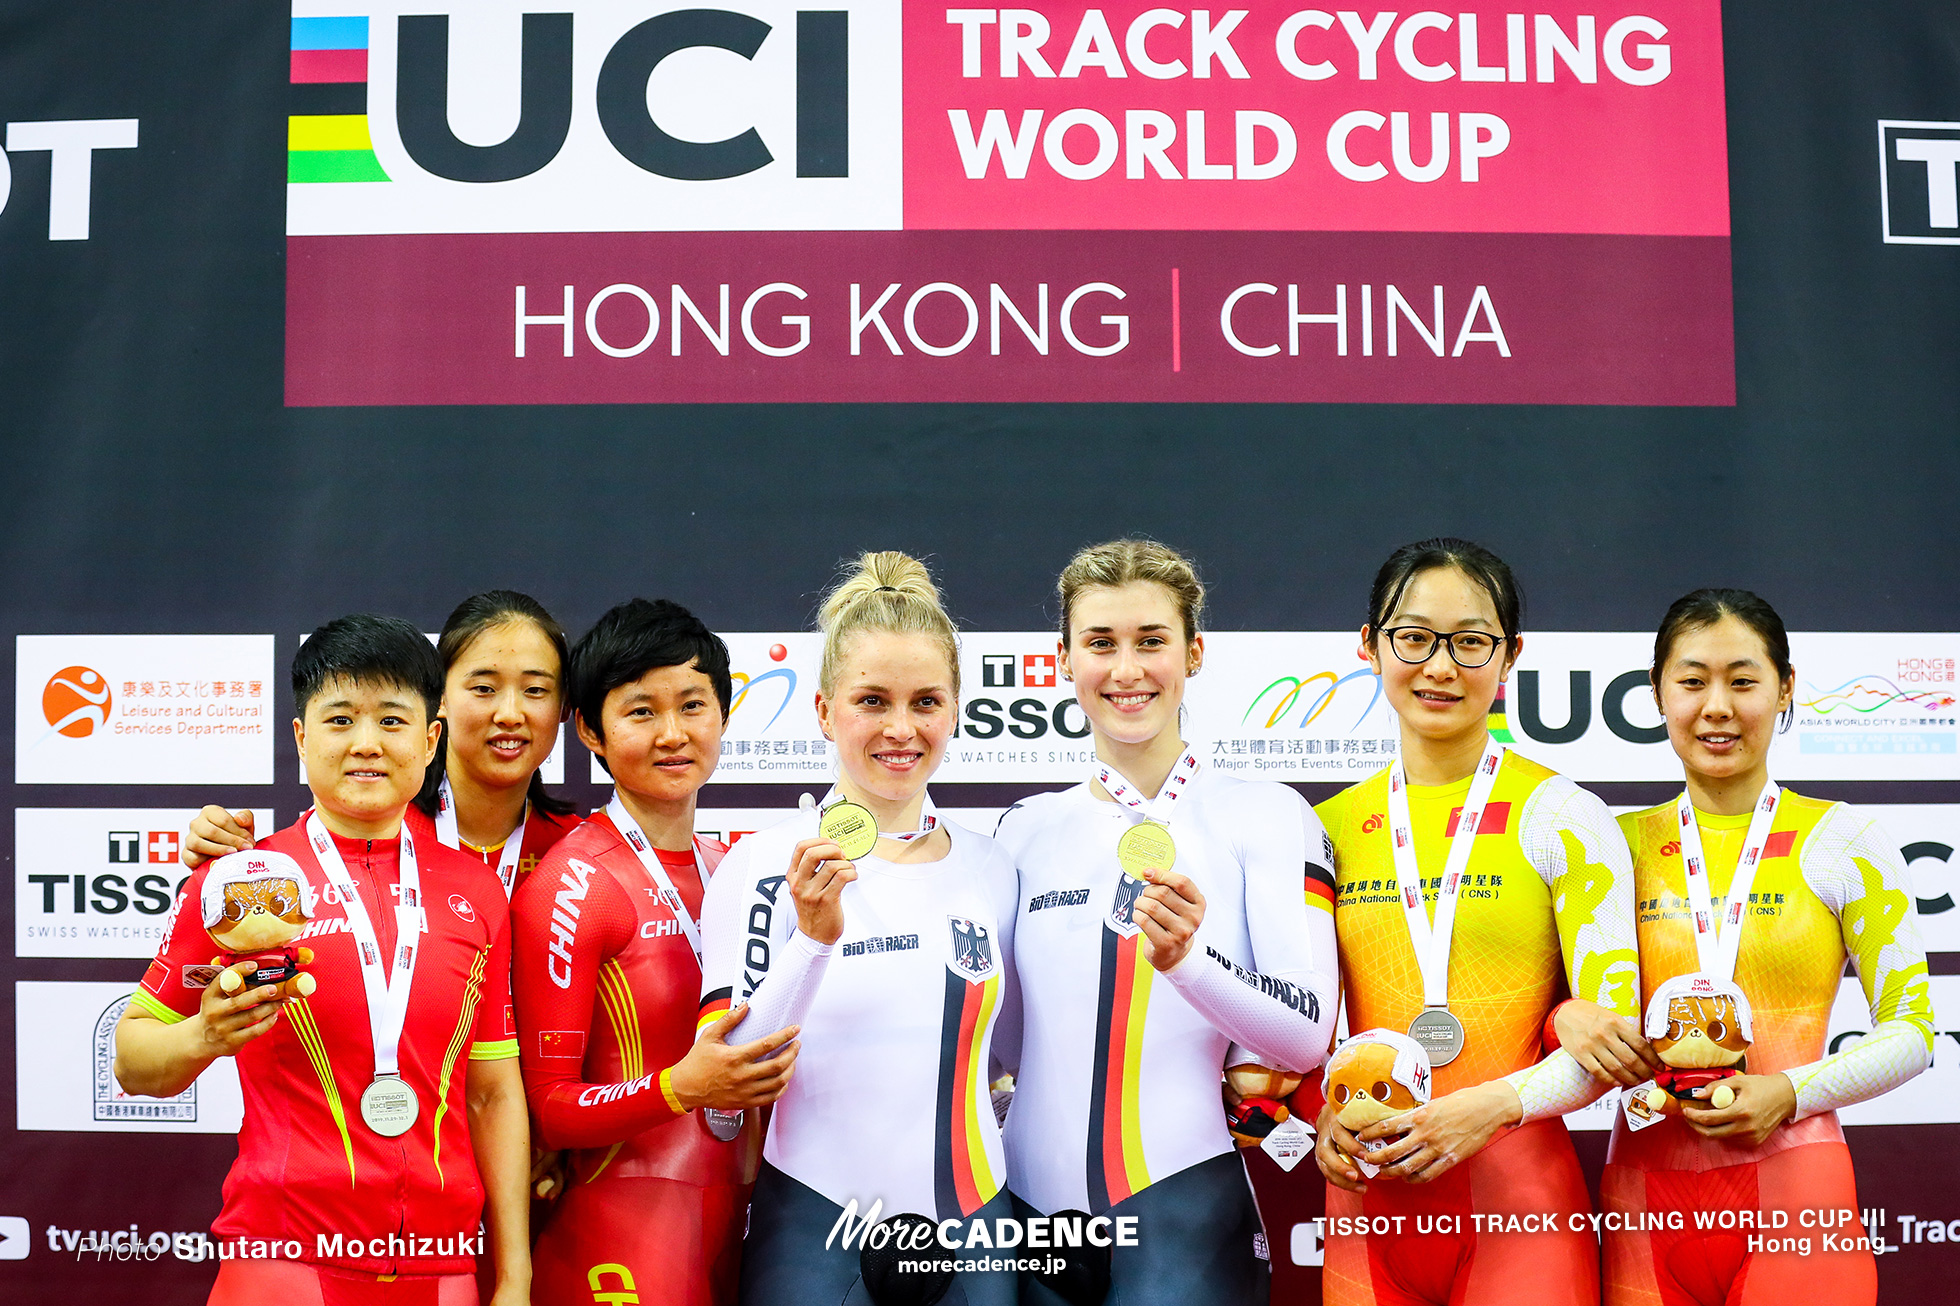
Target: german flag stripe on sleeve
<point>1116,1168</point>
<point>1320,887</point>
<point>963,1181</point>
<point>713,1008</point>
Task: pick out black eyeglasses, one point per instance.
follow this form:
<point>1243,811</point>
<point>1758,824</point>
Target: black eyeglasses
<point>1469,649</point>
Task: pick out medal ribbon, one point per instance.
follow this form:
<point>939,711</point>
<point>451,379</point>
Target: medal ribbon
<point>928,817</point>
<point>636,839</point>
<point>1432,942</point>
<point>448,835</point>
<point>387,999</point>
<point>1156,809</point>
<point>1718,941</point>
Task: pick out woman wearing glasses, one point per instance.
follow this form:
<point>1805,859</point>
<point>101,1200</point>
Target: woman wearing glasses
<point>1475,890</point>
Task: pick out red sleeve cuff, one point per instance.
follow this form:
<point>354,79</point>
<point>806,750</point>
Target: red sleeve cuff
<point>1549,1035</point>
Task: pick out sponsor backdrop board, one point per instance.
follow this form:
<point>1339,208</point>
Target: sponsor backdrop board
<point>1304,706</point>
<point>329,307</point>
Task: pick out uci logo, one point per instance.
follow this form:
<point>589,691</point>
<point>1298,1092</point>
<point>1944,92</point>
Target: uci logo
<point>546,97</point>
<point>1613,704</point>
<point>605,118</point>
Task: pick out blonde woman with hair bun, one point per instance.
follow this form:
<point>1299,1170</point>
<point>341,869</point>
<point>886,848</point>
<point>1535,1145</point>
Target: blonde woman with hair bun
<point>896,963</point>
<point>1173,915</point>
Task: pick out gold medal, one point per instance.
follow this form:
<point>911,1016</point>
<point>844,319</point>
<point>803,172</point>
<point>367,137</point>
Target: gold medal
<point>1145,846</point>
<point>850,827</point>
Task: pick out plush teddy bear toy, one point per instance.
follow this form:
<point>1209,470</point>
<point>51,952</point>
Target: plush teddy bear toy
<point>1373,1076</point>
<point>1701,1030</point>
<point>1255,1098</point>
<point>255,904</point>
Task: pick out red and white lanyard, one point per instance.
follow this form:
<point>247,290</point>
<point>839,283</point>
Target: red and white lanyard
<point>1717,941</point>
<point>450,837</point>
<point>1432,942</point>
<point>636,839</point>
<point>387,999</point>
<point>1158,809</point>
<point>928,817</point>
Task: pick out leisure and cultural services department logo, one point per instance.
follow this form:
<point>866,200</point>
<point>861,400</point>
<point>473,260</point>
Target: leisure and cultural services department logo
<point>76,701</point>
<point>140,709</point>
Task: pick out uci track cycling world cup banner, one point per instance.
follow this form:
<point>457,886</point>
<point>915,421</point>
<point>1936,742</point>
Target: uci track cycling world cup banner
<point>622,202</point>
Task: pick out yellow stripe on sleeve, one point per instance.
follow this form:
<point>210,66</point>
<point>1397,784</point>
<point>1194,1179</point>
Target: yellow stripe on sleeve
<point>667,1091</point>
<point>501,1050</point>
<point>150,1006</point>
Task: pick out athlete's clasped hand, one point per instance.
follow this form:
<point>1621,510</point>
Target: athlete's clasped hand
<point>229,1023</point>
<point>818,872</point>
<point>1169,913</point>
<point>1762,1102</point>
<point>1426,1143</point>
<point>1612,1049</point>
<point>1609,1046</point>
<point>714,1074</point>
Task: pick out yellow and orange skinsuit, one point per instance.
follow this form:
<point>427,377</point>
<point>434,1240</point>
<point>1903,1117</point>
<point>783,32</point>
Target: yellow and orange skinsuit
<point>1829,884</point>
<point>1546,909</point>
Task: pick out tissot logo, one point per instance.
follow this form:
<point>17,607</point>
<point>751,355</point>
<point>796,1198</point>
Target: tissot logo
<point>1919,182</point>
<point>97,881</point>
<point>605,118</point>
<point>1006,670</point>
<point>997,671</point>
<point>70,146</point>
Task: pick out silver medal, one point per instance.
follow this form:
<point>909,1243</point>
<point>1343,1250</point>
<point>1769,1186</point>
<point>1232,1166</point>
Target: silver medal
<point>389,1106</point>
<point>1440,1034</point>
<point>724,1125</point>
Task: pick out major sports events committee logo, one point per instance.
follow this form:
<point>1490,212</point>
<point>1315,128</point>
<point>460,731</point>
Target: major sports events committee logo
<point>76,702</point>
<point>746,683</point>
<point>1919,182</point>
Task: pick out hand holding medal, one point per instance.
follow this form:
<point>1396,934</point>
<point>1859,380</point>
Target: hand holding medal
<point>1171,909</point>
<point>819,868</point>
<point>1168,912</point>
